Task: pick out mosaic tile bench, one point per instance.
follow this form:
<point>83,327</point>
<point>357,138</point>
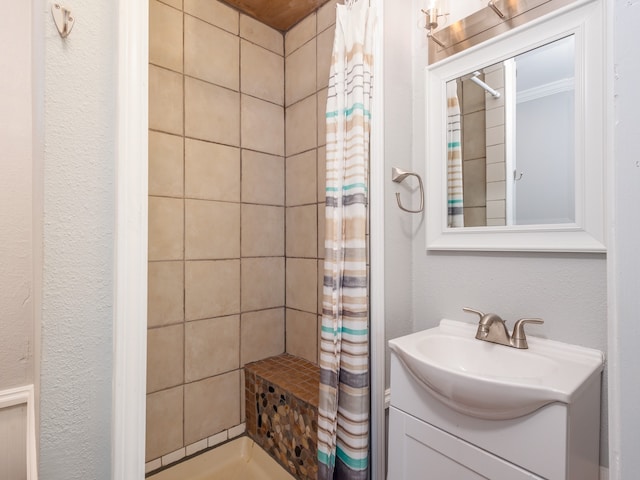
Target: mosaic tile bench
<point>282,411</point>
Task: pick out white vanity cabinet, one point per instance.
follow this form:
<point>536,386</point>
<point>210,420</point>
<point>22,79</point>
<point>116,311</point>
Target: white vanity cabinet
<point>429,440</point>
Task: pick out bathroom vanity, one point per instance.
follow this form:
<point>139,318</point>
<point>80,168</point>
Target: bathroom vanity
<point>439,430</point>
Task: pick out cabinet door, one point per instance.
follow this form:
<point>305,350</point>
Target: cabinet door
<point>419,451</point>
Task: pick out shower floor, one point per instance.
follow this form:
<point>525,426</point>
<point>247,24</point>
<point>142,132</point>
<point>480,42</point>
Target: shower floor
<point>240,459</point>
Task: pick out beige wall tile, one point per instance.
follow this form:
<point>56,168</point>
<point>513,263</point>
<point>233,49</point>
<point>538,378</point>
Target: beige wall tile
<point>325,52</point>
<point>495,117</point>
<point>165,165</point>
<point>262,231</point>
<point>301,174</point>
<point>302,231</point>
<point>495,78</point>
<point>212,171</point>
<point>322,168</point>
<point>301,126</point>
<point>301,284</point>
<point>262,283</point>
<point>322,117</point>
<point>166,228</point>
<point>496,209</point>
<point>243,413</point>
<point>473,144</point>
<point>302,334</point>
<point>211,54</point>
<point>165,304</point>
<point>262,126</point>
<point>165,36</point>
<point>214,12</point>
<point>262,178</point>
<point>212,230</point>
<point>474,180</point>
<point>211,112</point>
<point>300,34</point>
<point>262,73</point>
<point>212,288</point>
<point>319,334</point>
<point>320,286</point>
<point>475,216</point>
<point>211,405</point>
<point>165,100</point>
<point>212,347</point>
<point>165,357</point>
<point>164,422</point>
<point>326,15</point>
<point>262,334</point>
<point>321,229</point>
<point>261,34</point>
<point>495,172</point>
<point>473,97</point>
<point>495,154</point>
<point>496,191</point>
<point>174,3</point>
<point>300,73</point>
<point>495,135</point>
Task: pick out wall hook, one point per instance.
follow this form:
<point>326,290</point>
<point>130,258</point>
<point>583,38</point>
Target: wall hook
<point>398,175</point>
<point>63,19</point>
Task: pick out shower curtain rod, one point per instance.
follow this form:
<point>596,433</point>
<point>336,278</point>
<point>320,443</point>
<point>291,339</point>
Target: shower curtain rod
<point>474,78</point>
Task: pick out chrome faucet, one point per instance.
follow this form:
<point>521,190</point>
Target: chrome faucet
<point>492,328</point>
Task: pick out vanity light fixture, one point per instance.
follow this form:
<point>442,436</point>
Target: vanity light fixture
<point>494,7</point>
<point>432,14</point>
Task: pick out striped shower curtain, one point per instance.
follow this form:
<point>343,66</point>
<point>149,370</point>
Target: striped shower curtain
<point>343,413</point>
<point>455,215</point>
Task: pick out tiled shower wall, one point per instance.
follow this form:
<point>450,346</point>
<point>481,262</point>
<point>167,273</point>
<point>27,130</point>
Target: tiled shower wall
<point>496,167</point>
<point>224,269</point>
<point>474,153</point>
<point>308,48</point>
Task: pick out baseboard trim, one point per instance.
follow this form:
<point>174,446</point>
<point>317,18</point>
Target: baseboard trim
<point>24,396</point>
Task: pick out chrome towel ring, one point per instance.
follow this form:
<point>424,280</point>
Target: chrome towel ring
<point>398,175</point>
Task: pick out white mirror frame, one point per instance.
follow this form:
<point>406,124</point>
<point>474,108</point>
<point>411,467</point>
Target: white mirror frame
<point>584,19</point>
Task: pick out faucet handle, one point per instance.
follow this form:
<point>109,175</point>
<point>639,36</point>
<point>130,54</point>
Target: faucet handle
<point>518,338</point>
<point>471,310</point>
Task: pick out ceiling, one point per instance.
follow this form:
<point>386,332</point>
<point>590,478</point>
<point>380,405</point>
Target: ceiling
<point>279,14</point>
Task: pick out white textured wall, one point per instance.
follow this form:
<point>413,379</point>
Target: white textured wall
<point>626,260</point>
<point>398,100</point>
<point>16,258</point>
<point>77,303</point>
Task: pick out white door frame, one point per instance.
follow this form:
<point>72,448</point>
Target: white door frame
<point>130,310</point>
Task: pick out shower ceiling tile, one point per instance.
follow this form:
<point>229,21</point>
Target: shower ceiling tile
<point>278,14</point>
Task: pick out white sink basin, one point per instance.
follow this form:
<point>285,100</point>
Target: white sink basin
<point>493,381</point>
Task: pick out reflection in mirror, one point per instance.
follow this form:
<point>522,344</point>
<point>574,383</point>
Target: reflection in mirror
<point>511,141</point>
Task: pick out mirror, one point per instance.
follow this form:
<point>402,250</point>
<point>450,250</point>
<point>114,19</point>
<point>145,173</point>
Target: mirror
<point>513,163</point>
<point>516,138</point>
